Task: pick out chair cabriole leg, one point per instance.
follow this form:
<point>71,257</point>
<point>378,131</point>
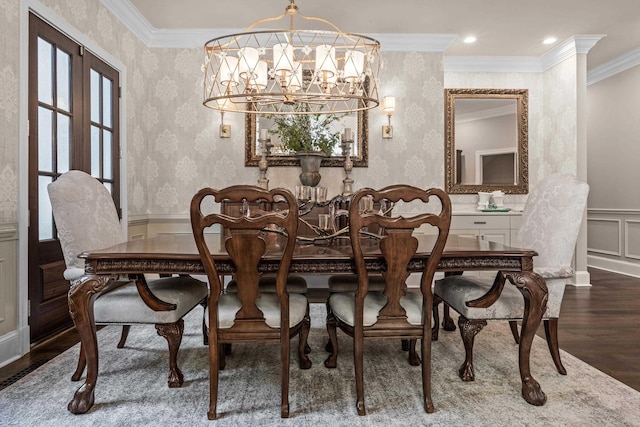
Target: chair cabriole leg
<point>468,330</point>
<point>332,359</point>
<point>172,332</point>
<point>124,335</point>
<point>551,332</point>
<point>303,359</point>
<point>82,363</point>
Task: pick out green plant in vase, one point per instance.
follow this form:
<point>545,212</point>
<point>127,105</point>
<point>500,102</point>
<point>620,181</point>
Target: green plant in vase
<point>306,132</point>
<point>309,136</point>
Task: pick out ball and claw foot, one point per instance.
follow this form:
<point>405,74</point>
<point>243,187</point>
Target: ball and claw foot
<point>305,362</point>
<point>532,393</point>
<point>82,400</point>
<point>331,362</point>
<point>466,372</point>
<point>176,378</point>
<point>448,324</point>
<point>414,359</point>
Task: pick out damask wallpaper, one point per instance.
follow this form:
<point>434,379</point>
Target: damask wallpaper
<point>172,142</point>
<point>9,107</point>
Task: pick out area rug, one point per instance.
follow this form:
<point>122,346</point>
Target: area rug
<point>132,389</point>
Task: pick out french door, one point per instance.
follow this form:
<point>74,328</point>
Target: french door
<point>73,124</point>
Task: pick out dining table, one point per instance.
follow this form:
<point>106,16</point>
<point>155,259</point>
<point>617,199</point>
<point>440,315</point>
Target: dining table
<point>177,254</point>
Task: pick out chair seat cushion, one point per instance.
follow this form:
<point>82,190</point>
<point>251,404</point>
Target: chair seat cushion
<point>123,305</point>
<point>349,283</point>
<point>268,303</point>
<point>295,284</point>
<point>457,290</point>
<point>342,305</point>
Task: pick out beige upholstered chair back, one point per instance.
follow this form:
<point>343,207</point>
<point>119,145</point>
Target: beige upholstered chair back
<point>85,217</point>
<point>551,223</point>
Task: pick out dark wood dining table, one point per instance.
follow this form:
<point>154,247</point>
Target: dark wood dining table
<point>177,254</point>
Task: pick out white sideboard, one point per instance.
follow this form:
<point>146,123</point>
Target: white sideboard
<point>501,227</point>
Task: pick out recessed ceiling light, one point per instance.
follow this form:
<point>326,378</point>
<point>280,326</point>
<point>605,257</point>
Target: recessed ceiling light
<point>549,40</point>
<point>470,39</point>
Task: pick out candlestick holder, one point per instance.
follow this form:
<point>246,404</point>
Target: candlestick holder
<point>263,164</point>
<point>348,167</point>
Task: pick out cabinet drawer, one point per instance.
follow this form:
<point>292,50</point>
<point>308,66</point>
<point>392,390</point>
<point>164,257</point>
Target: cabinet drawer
<point>479,222</point>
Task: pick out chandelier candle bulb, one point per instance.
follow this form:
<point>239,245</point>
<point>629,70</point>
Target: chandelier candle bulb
<point>326,60</point>
<point>229,71</point>
<point>283,57</point>
<point>249,57</point>
<point>353,65</point>
<point>261,75</point>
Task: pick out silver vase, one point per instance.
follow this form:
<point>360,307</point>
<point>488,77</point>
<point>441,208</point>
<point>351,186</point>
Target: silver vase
<point>310,164</point>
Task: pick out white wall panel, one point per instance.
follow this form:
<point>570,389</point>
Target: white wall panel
<point>603,236</point>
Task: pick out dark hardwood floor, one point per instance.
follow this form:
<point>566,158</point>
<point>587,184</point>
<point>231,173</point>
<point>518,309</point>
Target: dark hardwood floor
<point>599,325</point>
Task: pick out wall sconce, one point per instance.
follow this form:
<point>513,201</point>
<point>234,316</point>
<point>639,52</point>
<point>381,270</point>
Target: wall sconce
<point>225,130</point>
<point>388,107</point>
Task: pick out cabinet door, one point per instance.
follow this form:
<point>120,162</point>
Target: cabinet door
<point>498,236</point>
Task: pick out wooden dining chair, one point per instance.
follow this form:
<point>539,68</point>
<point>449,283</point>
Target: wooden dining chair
<point>249,315</point>
<point>395,312</point>
<point>551,222</point>
<point>86,218</point>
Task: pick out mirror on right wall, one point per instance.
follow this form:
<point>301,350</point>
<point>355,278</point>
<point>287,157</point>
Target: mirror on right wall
<point>486,134</point>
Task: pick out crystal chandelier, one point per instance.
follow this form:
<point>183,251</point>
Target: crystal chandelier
<point>291,71</point>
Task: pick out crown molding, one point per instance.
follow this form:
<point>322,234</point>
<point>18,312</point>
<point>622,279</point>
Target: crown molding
<point>579,44</point>
<point>131,17</point>
<point>613,67</point>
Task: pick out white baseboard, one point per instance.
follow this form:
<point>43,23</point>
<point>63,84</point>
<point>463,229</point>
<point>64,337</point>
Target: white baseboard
<point>615,266</point>
<point>580,278</point>
<point>10,348</point>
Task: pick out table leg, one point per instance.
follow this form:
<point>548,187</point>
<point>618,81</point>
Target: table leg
<point>81,296</point>
<point>534,291</point>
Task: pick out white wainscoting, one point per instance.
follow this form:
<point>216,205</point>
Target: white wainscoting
<point>613,240</point>
<point>10,337</point>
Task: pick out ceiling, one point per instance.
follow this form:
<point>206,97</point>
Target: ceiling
<point>503,27</point>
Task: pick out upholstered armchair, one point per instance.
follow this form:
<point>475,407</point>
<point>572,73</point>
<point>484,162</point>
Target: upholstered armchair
<point>86,219</point>
<point>550,225</point>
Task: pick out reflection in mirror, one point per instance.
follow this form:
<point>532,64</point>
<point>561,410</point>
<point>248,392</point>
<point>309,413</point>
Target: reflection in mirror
<point>486,140</point>
<point>357,122</point>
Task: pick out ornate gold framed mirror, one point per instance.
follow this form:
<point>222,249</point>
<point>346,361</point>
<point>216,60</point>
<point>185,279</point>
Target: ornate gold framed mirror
<point>486,141</point>
<point>358,122</point>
